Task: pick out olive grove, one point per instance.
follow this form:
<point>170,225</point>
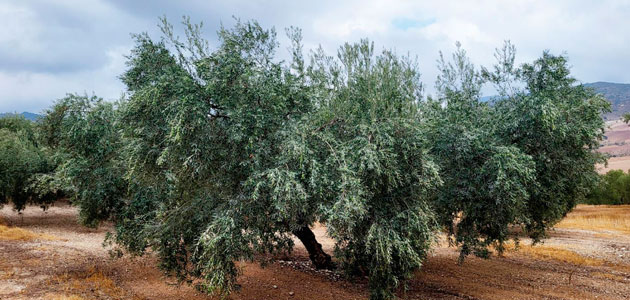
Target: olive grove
<point>221,154</point>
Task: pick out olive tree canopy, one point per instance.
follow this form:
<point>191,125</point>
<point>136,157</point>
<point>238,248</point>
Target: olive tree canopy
<point>524,158</point>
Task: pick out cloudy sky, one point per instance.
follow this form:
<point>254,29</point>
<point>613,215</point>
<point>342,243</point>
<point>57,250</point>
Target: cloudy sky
<point>51,47</point>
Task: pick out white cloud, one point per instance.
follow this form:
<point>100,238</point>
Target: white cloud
<point>35,91</point>
<point>48,48</point>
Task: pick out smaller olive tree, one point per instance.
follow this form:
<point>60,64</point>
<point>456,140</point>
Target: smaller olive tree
<point>21,160</point>
<point>523,159</point>
<point>80,132</point>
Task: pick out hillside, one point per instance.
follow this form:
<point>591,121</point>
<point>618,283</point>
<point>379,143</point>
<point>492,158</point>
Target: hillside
<point>26,115</point>
<point>617,93</point>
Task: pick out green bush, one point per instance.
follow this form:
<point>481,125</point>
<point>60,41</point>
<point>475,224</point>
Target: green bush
<point>20,161</point>
<point>612,188</point>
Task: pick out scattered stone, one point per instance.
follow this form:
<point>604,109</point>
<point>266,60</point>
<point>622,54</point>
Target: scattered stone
<point>307,266</point>
<point>275,286</point>
<point>291,293</point>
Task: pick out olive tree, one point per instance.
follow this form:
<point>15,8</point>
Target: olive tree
<point>80,133</point>
<point>358,164</point>
<point>557,122</point>
<point>523,159</point>
<point>232,152</point>
<point>21,160</point>
<point>197,126</point>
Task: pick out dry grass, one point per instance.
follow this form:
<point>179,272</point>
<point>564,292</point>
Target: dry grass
<point>18,234</point>
<point>558,253</point>
<point>102,282</point>
<point>603,218</point>
<point>609,276</point>
<point>7,275</point>
<point>87,282</point>
<point>64,297</point>
<point>598,218</point>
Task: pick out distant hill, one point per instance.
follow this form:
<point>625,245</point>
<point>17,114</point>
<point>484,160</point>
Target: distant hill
<point>617,93</point>
<point>27,115</point>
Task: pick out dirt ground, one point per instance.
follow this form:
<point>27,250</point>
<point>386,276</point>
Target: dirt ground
<point>47,255</point>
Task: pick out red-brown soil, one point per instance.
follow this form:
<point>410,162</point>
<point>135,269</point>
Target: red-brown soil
<point>69,262</point>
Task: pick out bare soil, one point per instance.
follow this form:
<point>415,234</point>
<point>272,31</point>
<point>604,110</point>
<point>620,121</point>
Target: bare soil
<point>616,144</point>
<point>71,263</point>
<point>615,163</point>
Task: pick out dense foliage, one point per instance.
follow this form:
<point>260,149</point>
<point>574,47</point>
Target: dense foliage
<point>216,156</point>
<point>525,158</point>
<point>21,160</point>
<point>231,153</point>
<point>612,188</point>
<point>79,132</point>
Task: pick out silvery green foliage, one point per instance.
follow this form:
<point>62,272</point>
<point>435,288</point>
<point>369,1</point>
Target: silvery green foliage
<point>230,151</point>
<point>221,155</point>
<point>359,164</point>
<point>523,159</point>
<point>197,128</point>
<point>557,122</point>
<point>81,134</point>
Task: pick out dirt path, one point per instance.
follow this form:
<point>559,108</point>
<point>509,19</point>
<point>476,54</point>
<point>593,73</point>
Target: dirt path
<point>68,261</point>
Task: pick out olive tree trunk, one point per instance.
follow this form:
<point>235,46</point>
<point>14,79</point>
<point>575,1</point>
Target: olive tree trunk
<point>319,258</point>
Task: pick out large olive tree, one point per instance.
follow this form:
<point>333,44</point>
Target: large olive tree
<point>232,152</point>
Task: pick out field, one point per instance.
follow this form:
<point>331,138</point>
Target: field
<point>616,144</point>
<point>617,141</point>
<point>46,255</point>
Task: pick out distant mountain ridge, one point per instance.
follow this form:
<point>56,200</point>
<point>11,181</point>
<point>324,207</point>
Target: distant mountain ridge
<point>27,115</point>
<point>618,94</point>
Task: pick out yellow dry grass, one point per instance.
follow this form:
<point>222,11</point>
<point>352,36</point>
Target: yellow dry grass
<point>18,234</point>
<point>64,297</point>
<point>603,218</point>
<point>7,275</point>
<point>102,282</point>
<point>609,276</point>
<point>558,253</point>
<point>87,282</point>
<point>598,218</point>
